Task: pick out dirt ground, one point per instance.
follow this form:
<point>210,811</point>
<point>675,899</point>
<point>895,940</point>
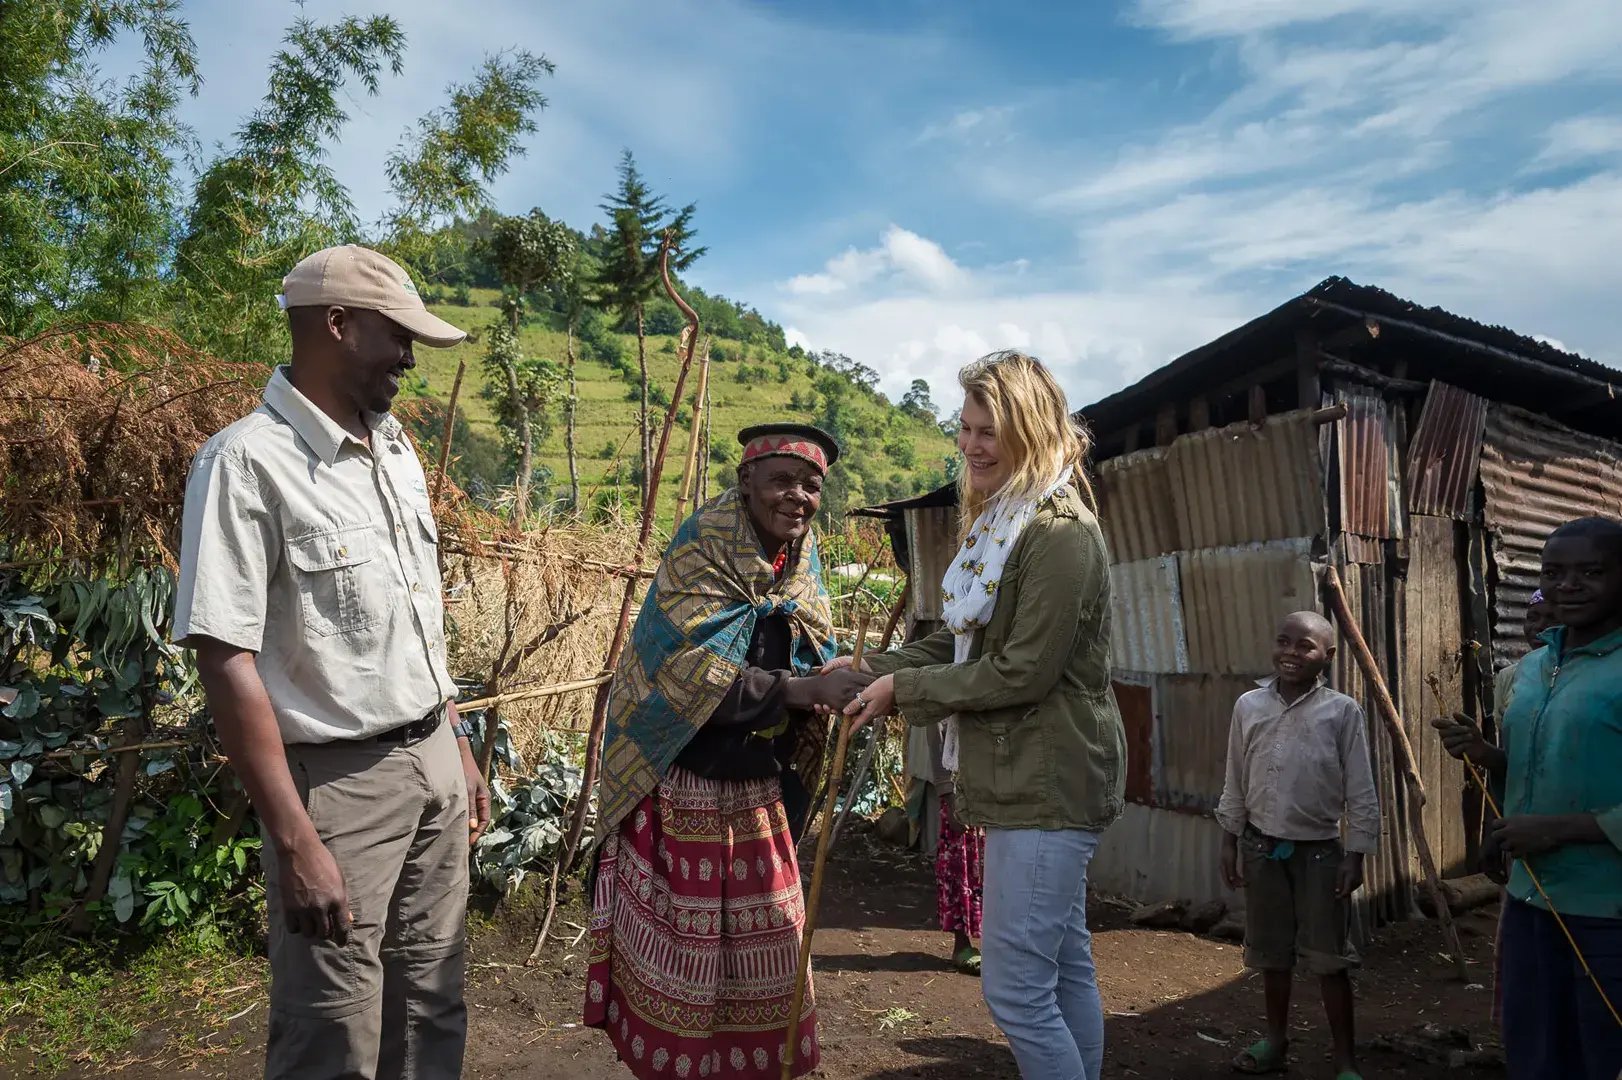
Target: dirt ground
<point>1179,1006</point>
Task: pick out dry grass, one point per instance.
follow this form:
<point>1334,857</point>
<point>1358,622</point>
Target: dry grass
<point>536,611</point>
<point>98,425</point>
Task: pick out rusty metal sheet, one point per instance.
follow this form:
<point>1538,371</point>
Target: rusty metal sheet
<point>1240,483</point>
<point>1366,550</point>
<point>1445,452</point>
<point>1388,892</point>
<point>1234,597</point>
<point>1370,485</point>
<point>1192,716</point>
<point>1135,506</point>
<point>1135,699</point>
<point>1147,631</point>
<point>1538,475</point>
<point>1151,854</point>
<point>931,546</point>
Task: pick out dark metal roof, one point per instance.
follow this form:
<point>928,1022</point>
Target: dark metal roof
<point>945,495</point>
<point>1495,362</point>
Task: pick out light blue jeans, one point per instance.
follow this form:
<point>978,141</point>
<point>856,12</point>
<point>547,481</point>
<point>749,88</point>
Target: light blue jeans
<point>1037,965</point>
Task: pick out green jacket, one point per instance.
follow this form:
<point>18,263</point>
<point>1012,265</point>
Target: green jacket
<point>1040,741</point>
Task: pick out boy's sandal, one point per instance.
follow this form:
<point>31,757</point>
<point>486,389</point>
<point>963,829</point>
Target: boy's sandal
<point>1348,1074</point>
<point>1262,1057</point>
<point>966,960</point>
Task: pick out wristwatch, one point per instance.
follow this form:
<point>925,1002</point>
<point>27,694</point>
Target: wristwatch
<point>463,727</point>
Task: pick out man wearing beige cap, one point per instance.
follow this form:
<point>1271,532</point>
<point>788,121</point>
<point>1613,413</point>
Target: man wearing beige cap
<point>309,586</point>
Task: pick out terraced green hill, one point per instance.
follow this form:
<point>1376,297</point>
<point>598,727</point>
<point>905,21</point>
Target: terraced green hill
<point>889,452</point>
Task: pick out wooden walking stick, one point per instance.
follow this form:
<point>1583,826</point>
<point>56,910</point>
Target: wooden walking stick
<point>835,775</point>
<point>689,476</point>
<point>1402,754</point>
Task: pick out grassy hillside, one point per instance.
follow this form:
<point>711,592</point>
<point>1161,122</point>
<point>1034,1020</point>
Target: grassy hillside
<point>890,453</point>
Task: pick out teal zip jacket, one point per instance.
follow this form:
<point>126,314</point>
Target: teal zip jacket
<point>1562,735</point>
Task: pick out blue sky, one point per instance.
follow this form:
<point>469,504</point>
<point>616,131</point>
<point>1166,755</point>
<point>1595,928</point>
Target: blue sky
<point>914,183</point>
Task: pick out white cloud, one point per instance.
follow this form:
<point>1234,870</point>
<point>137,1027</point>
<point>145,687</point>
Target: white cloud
<point>1094,340</point>
<point>1192,19</point>
<point>1581,140</point>
<point>983,126</point>
<point>902,256</point>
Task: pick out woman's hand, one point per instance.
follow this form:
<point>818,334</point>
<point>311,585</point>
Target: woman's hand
<point>834,690</point>
<point>840,663</point>
<point>878,699</point>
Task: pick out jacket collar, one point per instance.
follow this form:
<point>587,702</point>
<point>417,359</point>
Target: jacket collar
<point>1555,638</point>
<point>318,430</point>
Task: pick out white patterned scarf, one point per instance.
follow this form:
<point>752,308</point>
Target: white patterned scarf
<point>969,589</point>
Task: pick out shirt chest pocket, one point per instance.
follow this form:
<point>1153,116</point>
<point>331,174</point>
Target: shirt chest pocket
<point>341,581</point>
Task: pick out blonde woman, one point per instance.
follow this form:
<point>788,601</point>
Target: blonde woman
<point>1020,683</point>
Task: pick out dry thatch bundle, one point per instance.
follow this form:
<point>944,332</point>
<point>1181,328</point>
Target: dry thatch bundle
<point>98,426</point>
<point>536,610</point>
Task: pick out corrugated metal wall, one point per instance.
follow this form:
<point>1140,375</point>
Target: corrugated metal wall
<point>1135,696</point>
<point>1135,506</point>
<point>1147,621</point>
<point>1233,599</point>
<point>1388,881</point>
<point>1240,483</point>
<point>1538,475</point>
<point>1153,854</point>
<point>931,544</point>
<point>1192,716</point>
<point>1370,479</point>
<point>1445,452</point>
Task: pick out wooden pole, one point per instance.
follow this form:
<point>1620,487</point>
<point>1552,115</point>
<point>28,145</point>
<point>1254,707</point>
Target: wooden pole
<point>689,475</point>
<point>533,692</point>
<point>1402,754</point>
<point>450,427</point>
<point>835,775</point>
<point>599,712</point>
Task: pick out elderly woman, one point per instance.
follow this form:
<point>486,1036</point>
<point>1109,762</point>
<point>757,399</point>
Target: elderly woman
<point>1020,682</point>
<point>695,931</point>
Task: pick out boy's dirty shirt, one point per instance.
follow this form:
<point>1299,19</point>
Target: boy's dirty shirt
<point>1294,768</point>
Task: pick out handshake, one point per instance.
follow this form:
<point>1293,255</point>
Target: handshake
<point>839,687</point>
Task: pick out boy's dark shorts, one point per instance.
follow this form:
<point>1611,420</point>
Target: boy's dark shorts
<point>1291,910</point>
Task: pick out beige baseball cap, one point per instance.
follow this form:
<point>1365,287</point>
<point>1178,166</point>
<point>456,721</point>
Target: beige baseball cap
<point>353,276</point>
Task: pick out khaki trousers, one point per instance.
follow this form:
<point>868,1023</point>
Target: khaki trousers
<point>388,1004</point>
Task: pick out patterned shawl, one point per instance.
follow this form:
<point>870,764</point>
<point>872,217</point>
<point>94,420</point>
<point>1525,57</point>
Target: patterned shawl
<point>690,643</point>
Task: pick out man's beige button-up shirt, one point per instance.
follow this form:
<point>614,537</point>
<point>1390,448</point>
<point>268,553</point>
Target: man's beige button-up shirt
<point>1294,768</point>
<point>303,545</point>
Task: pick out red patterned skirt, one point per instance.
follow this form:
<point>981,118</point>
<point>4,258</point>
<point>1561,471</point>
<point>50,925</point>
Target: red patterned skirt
<point>959,881</point>
<point>695,934</point>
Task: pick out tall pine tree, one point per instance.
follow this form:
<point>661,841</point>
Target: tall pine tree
<point>629,276</point>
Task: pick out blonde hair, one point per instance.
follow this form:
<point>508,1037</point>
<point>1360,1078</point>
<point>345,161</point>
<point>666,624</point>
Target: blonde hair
<point>1036,434</point>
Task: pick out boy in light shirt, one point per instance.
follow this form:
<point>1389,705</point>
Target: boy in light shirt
<point>1298,760</point>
